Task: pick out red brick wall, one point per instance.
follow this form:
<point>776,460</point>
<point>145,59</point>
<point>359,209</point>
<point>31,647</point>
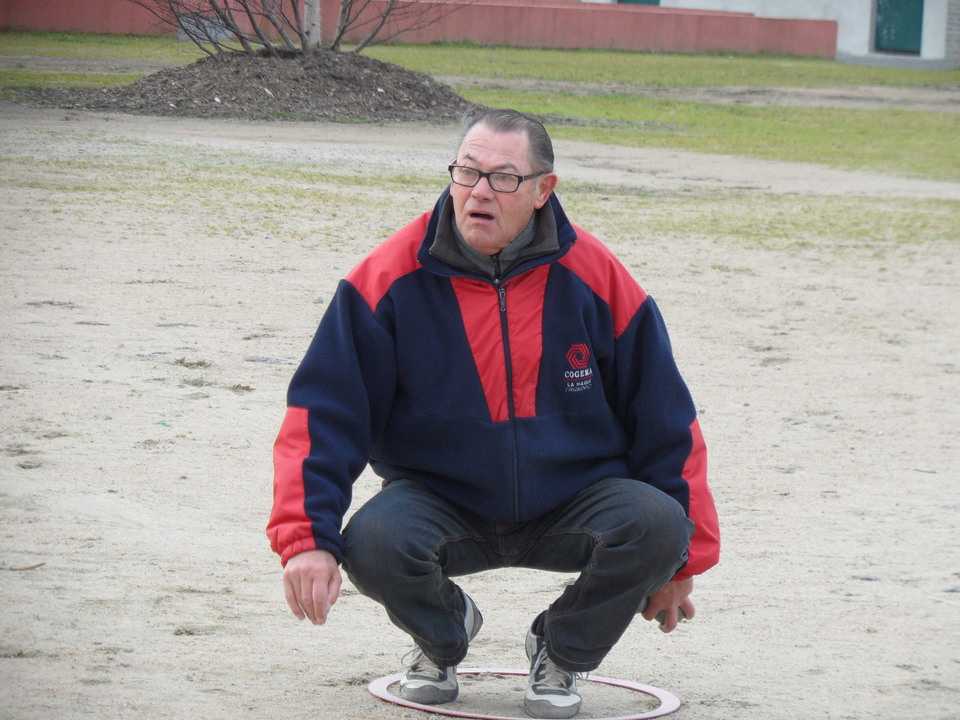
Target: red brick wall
<point>116,17</point>
<point>522,23</point>
<point>557,24</point>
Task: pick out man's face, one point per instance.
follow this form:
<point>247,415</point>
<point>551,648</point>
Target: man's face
<point>490,220</point>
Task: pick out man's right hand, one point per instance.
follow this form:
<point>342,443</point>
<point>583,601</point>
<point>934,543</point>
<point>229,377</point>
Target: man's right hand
<point>311,584</point>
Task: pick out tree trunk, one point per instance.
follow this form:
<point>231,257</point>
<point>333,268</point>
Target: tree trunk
<point>311,21</point>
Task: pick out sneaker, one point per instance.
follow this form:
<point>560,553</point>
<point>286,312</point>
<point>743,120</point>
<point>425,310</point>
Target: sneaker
<point>427,683</point>
<point>551,690</point>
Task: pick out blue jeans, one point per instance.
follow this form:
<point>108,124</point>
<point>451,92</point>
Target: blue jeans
<point>626,539</point>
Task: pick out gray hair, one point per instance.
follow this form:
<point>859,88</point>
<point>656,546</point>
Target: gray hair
<point>510,121</point>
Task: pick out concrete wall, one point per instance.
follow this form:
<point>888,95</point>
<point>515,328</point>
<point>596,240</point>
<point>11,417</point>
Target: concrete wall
<point>953,30</point>
<point>934,37</point>
<point>941,31</point>
<point>521,23</point>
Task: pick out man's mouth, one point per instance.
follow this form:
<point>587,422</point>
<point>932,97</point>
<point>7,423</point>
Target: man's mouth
<point>482,216</point>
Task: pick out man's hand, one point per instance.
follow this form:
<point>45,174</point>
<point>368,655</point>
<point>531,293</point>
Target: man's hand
<point>311,584</point>
<point>672,599</point>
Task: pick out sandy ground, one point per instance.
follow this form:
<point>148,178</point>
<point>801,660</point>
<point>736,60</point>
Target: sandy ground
<point>154,301</point>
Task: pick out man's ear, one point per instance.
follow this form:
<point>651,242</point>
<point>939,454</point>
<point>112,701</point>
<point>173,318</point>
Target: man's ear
<point>545,185</point>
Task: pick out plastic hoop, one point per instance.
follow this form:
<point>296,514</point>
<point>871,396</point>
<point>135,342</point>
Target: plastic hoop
<point>668,701</point>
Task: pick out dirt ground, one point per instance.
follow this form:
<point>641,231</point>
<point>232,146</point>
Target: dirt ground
<point>154,301</point>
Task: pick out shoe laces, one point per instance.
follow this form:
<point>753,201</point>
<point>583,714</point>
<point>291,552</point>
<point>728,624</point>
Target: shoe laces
<point>419,664</point>
<point>550,676</point>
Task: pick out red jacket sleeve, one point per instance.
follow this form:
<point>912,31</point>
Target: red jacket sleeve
<point>289,527</point>
<point>704,550</point>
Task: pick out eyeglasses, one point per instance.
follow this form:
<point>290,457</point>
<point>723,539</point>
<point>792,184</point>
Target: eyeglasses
<point>499,181</point>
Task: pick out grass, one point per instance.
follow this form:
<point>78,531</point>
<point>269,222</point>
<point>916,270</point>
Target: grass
<point>649,69</point>
<point>910,143</point>
<point>19,79</point>
<point>756,219</point>
<point>107,47</point>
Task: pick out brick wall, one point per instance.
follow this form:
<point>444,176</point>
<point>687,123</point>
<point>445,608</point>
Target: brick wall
<point>520,23</point>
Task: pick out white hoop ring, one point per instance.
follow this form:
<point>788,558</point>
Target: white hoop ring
<point>668,701</point>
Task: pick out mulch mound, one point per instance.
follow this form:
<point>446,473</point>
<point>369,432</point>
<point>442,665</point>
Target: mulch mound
<point>324,85</point>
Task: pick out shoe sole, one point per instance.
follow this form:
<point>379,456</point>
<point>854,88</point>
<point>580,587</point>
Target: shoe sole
<point>546,709</point>
<point>429,695</point>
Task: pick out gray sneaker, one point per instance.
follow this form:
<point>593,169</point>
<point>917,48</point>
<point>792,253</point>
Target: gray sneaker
<point>426,682</point>
<point>551,690</point>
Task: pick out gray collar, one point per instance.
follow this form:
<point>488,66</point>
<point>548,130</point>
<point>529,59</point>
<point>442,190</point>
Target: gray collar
<point>537,239</point>
<point>490,264</point>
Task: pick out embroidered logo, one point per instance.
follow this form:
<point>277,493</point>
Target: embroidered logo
<point>578,356</point>
<point>580,375</point>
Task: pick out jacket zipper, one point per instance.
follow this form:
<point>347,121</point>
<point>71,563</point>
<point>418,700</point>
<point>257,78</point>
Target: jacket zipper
<point>511,408</point>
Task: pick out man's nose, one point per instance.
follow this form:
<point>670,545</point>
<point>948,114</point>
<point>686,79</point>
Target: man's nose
<point>483,187</point>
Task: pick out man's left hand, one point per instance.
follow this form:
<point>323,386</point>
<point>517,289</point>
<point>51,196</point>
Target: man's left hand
<point>672,599</point>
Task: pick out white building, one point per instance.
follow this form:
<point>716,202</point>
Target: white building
<point>908,33</point>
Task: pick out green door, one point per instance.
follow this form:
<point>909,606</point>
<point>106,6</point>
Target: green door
<point>899,25</point>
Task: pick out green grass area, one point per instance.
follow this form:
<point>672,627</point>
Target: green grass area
<point>649,69</point>
<point>107,47</point>
<point>21,79</point>
<point>756,219</point>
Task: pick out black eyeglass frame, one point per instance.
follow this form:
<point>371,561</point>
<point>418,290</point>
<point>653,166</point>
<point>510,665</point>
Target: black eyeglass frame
<point>481,174</point>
